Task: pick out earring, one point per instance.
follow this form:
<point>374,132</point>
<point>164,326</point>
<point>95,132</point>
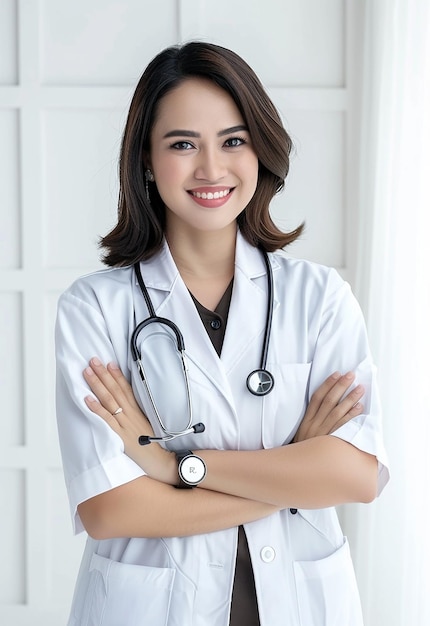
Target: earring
<point>149,178</point>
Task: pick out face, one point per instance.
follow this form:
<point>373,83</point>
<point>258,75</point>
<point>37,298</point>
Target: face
<point>201,155</point>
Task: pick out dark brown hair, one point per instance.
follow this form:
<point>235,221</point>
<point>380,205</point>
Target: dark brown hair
<point>141,222</point>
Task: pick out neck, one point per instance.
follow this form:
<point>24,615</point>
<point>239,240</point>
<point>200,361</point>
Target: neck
<point>205,256</point>
<point>206,263</point>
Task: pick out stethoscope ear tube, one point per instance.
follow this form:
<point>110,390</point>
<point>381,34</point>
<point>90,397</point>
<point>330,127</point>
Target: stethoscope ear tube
<point>151,320</point>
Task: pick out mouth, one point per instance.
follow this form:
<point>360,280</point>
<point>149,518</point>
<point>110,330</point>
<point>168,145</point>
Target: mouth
<point>211,195</point>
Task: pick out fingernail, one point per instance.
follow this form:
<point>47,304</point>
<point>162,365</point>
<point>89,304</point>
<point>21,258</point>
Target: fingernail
<point>113,365</point>
<point>90,399</point>
<point>336,375</point>
<point>358,406</point>
<point>95,361</point>
<point>349,375</point>
<point>89,371</point>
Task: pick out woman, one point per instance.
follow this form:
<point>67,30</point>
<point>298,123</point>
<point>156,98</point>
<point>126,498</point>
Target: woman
<point>253,537</point>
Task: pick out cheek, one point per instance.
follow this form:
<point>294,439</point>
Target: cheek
<point>251,163</point>
<point>171,173</point>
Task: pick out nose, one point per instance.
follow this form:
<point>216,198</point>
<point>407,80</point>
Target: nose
<point>211,165</point>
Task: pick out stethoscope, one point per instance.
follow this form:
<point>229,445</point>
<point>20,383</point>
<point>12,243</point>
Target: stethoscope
<point>259,382</point>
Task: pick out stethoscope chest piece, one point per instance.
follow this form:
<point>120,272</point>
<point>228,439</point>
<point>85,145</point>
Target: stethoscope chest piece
<point>260,382</point>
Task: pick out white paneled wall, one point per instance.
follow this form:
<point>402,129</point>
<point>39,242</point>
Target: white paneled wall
<point>67,72</point>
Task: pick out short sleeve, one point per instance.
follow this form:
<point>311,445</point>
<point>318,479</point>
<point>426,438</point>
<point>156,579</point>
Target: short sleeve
<point>93,454</point>
<point>342,345</point>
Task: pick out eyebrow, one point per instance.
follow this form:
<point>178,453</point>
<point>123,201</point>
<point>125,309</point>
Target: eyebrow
<point>192,133</point>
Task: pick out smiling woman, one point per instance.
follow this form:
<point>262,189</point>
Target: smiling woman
<point>234,522</point>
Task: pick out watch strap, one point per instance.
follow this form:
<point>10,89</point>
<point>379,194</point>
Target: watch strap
<point>180,456</point>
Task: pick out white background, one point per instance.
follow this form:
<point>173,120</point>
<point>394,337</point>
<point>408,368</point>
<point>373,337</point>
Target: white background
<point>67,72</point>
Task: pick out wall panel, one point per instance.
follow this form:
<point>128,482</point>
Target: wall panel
<point>102,42</point>
<point>12,538</point>
<point>288,43</point>
<point>80,161</point>
<point>10,214</point>
<point>8,42</point>
<point>11,370</point>
<point>49,315</point>
<point>315,187</point>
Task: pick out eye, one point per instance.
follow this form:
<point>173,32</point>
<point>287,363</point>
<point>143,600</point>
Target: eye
<point>182,145</point>
<point>234,142</point>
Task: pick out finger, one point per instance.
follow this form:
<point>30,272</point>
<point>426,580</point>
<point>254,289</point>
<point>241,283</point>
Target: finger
<point>114,381</point>
<point>103,386</point>
<point>349,401</point>
<point>343,411</point>
<point>354,412</point>
<point>319,395</point>
<point>348,407</point>
<point>123,383</point>
<point>334,407</point>
<point>325,400</point>
<point>99,410</point>
<point>334,395</point>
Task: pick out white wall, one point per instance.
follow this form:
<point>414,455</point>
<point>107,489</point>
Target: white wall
<point>67,71</point>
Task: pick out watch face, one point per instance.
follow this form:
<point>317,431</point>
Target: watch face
<point>192,470</point>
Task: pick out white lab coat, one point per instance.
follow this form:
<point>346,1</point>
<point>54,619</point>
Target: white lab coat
<point>302,565</point>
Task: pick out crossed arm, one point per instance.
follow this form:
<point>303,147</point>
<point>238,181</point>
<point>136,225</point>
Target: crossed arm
<point>315,471</point>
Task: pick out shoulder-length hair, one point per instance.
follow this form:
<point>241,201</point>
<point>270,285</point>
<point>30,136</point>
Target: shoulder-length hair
<point>139,231</point>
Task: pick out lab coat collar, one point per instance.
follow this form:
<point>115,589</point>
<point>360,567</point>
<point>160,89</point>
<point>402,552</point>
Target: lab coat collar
<point>160,271</point>
<point>248,308</point>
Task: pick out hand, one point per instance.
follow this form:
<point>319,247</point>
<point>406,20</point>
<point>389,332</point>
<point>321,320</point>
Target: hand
<point>113,391</point>
<point>325,412</point>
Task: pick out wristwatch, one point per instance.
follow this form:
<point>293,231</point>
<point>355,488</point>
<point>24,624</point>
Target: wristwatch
<point>191,469</point>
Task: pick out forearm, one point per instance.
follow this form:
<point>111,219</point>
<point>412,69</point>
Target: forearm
<point>316,473</point>
<point>147,508</point>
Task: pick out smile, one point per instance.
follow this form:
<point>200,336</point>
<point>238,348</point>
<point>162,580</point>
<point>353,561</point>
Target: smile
<point>215,195</point>
<point>211,198</point>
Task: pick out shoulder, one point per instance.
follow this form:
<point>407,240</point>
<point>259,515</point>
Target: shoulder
<point>303,273</point>
<point>101,286</point>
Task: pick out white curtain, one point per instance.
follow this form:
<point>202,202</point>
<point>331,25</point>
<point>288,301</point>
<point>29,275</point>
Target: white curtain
<point>391,538</point>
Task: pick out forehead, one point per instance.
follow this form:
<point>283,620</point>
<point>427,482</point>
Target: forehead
<point>196,104</point>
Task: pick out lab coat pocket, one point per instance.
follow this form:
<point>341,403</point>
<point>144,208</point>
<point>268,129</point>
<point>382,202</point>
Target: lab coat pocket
<point>284,407</point>
<point>121,593</point>
<point>327,593</point>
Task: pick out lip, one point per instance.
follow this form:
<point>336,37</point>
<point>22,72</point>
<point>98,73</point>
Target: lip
<point>211,197</point>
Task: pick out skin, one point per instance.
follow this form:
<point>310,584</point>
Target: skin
<point>200,145</point>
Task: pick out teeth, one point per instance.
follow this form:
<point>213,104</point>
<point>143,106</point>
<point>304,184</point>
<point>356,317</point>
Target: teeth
<point>211,196</point>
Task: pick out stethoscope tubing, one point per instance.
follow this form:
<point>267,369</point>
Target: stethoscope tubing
<point>259,382</point>
<point>269,313</point>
